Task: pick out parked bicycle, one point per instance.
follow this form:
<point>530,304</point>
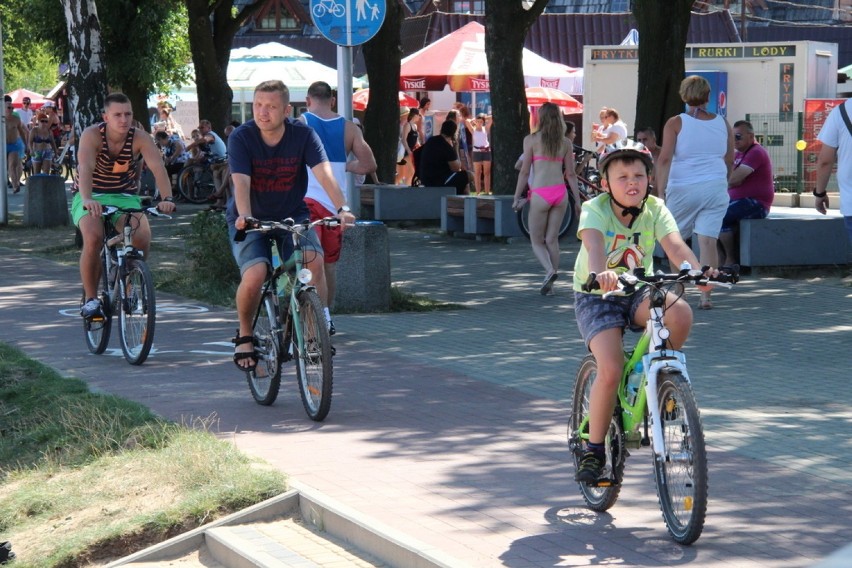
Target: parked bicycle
<point>298,330</point>
<point>196,182</point>
<point>654,398</point>
<point>126,288</point>
<point>588,182</point>
<point>63,164</point>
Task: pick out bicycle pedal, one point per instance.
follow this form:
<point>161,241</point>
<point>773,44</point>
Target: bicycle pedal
<point>604,482</point>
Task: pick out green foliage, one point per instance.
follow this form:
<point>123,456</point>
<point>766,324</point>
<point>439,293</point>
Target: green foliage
<point>212,266</point>
<point>28,60</point>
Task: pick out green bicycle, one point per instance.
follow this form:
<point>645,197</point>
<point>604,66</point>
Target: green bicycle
<point>655,396</point>
<point>299,331</point>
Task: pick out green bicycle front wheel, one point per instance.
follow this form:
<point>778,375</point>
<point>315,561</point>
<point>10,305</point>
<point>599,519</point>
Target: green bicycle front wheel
<point>137,312</point>
<point>312,346</point>
<point>681,474</point>
<point>598,498</point>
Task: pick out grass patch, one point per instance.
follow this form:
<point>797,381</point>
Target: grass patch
<point>402,301</point>
<point>87,478</point>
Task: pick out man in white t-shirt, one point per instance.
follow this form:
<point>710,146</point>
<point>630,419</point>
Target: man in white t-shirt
<point>836,138</point>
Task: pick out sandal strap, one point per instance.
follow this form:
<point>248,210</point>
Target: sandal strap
<point>241,339</point>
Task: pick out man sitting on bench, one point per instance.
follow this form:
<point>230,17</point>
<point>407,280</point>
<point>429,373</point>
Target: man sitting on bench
<point>751,189</point>
<point>438,163</point>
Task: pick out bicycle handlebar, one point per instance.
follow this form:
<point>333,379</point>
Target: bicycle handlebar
<point>628,282</point>
<point>287,224</point>
<point>153,211</point>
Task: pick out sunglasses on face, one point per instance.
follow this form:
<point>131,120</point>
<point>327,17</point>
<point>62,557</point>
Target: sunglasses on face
<point>738,136</point>
<point>44,121</point>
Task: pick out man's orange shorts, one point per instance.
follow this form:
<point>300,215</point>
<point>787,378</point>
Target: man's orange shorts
<point>331,238</point>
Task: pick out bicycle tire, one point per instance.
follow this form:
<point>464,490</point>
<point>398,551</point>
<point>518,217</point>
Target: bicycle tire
<point>137,312</point>
<point>195,184</point>
<point>97,332</point>
<point>524,224</point>
<point>312,347</point>
<point>681,475</point>
<point>597,498</point>
<point>267,333</point>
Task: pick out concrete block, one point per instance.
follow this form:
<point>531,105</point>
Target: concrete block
<point>46,203</point>
<point>452,223</point>
<point>402,203</point>
<point>790,241</point>
<point>363,271</point>
<point>505,218</point>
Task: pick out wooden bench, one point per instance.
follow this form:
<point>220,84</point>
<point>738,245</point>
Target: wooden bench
<point>402,203</point>
<point>793,240</point>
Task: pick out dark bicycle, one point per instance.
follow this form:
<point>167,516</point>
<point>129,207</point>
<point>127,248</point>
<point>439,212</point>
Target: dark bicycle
<point>126,288</point>
<point>196,182</point>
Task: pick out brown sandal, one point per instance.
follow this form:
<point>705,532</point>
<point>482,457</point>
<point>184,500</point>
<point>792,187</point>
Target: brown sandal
<point>242,356</point>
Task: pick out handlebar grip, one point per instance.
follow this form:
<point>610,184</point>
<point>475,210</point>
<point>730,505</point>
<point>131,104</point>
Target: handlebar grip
<point>591,283</point>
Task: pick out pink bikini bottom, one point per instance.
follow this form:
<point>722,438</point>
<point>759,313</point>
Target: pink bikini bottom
<point>553,194</point>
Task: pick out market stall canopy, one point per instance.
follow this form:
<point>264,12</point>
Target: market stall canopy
<point>537,96</point>
<point>360,99</point>
<point>18,96</point>
<point>458,60</point>
<point>249,67</point>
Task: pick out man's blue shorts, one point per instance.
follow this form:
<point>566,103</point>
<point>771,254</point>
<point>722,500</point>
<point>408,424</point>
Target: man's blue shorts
<point>15,147</point>
<point>739,209</point>
<point>257,247</point>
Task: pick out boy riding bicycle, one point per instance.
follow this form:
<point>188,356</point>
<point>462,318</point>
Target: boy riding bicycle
<point>619,229</point>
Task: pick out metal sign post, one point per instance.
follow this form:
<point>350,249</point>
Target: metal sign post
<point>347,23</point>
<point>4,174</point>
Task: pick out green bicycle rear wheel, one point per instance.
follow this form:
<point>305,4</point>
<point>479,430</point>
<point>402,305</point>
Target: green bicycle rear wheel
<point>265,380</point>
<point>597,498</point>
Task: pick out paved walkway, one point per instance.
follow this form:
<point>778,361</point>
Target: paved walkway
<point>450,426</point>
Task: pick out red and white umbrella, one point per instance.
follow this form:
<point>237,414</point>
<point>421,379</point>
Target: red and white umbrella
<point>18,96</point>
<point>537,96</point>
<point>360,99</point>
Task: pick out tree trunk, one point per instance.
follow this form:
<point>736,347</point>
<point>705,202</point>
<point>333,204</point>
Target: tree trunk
<point>138,96</point>
<point>87,85</point>
<point>381,121</point>
<point>211,33</point>
<point>506,27</point>
<point>663,28</point>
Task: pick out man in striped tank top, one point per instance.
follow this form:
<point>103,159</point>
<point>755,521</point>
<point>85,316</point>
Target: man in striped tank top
<point>107,158</point>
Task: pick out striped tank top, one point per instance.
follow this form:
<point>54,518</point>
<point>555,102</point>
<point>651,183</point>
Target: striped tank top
<point>115,175</point>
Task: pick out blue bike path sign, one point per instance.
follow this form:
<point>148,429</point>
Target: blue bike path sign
<point>348,22</point>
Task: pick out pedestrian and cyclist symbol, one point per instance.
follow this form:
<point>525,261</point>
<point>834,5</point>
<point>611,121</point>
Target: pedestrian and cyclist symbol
<point>348,22</point>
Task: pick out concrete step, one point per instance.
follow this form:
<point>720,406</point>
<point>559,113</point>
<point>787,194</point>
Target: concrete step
<point>301,528</point>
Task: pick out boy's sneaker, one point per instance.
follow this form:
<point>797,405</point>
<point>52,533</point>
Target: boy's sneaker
<point>92,309</point>
<point>331,328</point>
<point>590,468</point>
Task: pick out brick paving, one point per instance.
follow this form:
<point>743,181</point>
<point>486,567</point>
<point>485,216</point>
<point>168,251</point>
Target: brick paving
<point>450,426</point>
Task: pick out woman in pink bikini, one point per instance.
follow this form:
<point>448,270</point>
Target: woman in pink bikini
<point>553,155</point>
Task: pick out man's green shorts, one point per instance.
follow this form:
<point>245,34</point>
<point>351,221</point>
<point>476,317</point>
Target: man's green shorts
<point>125,200</point>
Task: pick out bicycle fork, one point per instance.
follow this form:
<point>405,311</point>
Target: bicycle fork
<point>654,363</point>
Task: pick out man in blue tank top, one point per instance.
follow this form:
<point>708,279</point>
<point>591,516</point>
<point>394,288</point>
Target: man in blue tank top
<point>340,137</point>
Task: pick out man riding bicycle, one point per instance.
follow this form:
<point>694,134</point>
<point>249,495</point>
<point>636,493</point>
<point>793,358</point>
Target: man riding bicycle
<point>269,157</point>
<point>109,153</point>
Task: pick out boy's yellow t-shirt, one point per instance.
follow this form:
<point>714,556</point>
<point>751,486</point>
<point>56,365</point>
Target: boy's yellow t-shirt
<point>625,248</point>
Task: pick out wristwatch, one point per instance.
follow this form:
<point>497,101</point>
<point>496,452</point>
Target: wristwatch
<point>823,194</point>
<point>344,209</point>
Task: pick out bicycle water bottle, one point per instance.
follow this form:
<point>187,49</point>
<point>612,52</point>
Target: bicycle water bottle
<point>633,380</point>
